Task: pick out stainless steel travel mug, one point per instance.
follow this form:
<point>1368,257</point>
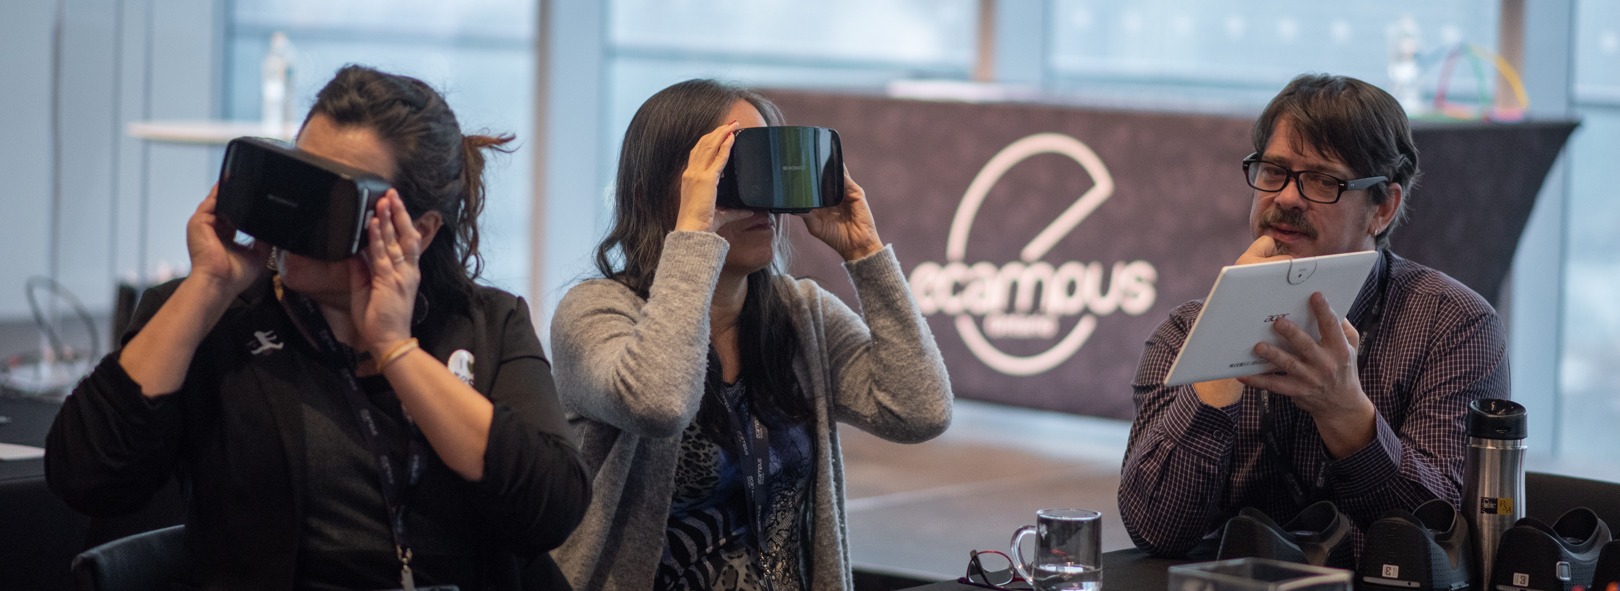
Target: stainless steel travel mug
<point>1493,477</point>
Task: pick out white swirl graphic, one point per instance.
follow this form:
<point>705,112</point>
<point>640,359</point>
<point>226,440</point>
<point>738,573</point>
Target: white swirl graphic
<point>956,244</point>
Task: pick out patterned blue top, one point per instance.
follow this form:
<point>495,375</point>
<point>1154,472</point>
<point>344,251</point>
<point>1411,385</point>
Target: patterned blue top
<point>708,545</point>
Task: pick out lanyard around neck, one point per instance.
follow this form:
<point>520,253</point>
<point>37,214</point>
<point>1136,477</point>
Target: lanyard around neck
<point>753,456</point>
<point>1367,325</point>
<point>397,489</point>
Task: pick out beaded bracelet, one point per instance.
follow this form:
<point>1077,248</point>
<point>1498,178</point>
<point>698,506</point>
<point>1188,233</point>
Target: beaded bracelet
<point>397,352</point>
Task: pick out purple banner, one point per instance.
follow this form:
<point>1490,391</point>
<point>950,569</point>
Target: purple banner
<point>1045,243</point>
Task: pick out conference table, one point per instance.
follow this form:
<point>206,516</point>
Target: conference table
<point>1123,570</point>
<point>39,534</point>
<point>27,420</point>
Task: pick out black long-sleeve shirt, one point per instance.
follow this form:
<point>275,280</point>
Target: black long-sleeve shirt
<point>235,434</point>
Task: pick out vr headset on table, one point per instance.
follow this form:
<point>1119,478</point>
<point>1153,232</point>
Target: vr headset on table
<point>294,200</point>
<point>783,169</point>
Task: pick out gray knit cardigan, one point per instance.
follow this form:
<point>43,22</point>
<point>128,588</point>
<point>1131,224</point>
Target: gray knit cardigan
<point>631,374</point>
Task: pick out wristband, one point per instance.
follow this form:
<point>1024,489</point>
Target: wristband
<point>395,353</point>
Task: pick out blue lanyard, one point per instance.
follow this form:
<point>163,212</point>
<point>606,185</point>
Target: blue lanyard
<point>753,451</point>
<point>1366,325</point>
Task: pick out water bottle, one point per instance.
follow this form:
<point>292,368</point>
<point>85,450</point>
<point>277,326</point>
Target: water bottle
<point>1493,477</point>
<point>1404,73</point>
<point>276,85</point>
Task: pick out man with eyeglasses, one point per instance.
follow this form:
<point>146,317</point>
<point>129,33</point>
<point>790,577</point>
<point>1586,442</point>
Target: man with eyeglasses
<point>1371,415</point>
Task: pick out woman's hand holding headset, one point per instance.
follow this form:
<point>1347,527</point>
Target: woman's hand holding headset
<point>384,279</point>
<point>700,182</point>
<point>225,267</point>
<point>847,227</point>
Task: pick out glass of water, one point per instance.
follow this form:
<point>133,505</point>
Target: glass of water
<point>1068,550</point>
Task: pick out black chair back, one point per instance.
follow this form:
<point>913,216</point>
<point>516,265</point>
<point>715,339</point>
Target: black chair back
<point>1549,496</point>
<point>150,561</point>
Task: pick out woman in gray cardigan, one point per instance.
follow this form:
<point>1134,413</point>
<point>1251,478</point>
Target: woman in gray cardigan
<point>695,361</point>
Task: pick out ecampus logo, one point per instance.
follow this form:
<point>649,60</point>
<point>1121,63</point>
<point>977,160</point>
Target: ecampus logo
<point>1030,298</point>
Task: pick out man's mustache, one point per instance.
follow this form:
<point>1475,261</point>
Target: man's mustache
<point>1294,219</point>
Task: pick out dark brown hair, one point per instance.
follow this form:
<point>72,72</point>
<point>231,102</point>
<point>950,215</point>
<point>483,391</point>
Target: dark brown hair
<point>647,199</point>
<point>436,168</point>
<point>1354,122</point>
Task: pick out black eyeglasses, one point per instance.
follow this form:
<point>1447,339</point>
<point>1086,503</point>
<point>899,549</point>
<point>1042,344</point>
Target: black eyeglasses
<point>1313,186</point>
<point>993,571</point>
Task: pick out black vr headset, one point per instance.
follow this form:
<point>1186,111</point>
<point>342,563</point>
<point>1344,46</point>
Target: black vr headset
<point>295,200</point>
<point>783,169</point>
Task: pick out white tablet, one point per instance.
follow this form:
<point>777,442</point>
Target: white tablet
<point>1246,299</point>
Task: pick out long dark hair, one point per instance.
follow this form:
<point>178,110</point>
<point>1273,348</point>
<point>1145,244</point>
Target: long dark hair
<point>1353,121</point>
<point>647,200</point>
<point>436,168</point>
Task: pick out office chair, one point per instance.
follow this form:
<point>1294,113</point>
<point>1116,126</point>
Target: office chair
<point>149,561</point>
<point>1548,496</point>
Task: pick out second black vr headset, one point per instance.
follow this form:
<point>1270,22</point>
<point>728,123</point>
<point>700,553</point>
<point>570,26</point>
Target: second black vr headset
<point>783,169</point>
<point>295,200</point>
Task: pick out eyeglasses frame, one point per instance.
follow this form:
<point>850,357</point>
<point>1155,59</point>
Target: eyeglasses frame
<point>1292,176</point>
<point>975,568</point>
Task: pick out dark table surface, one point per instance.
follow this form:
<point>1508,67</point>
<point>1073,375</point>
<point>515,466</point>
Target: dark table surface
<point>39,535</point>
<point>1123,570</point>
<point>29,419</point>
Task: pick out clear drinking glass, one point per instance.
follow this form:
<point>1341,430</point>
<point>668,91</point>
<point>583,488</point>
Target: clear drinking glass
<point>1068,550</point>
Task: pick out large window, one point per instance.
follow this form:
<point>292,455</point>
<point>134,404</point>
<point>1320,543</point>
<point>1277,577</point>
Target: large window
<point>1238,54</point>
<point>1589,388</point>
<point>478,52</point>
<point>830,44</point>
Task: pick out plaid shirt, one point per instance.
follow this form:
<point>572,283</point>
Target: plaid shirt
<point>1435,347</point>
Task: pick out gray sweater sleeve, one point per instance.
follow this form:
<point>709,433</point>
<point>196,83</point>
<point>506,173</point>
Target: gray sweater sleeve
<point>887,373</point>
<point>639,365</point>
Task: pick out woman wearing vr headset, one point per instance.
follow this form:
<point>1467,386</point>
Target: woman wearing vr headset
<point>378,422</point>
<point>694,361</point>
